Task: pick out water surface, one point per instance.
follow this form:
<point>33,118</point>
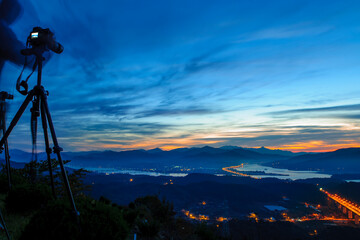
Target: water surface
<point>109,171</point>
<point>282,173</point>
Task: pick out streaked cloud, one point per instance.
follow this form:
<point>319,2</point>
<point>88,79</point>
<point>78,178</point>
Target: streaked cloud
<point>350,107</point>
<point>285,32</point>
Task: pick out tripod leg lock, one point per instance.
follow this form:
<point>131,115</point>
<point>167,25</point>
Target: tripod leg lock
<point>57,149</point>
<point>35,111</point>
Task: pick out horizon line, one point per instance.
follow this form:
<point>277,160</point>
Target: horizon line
<point>165,149</point>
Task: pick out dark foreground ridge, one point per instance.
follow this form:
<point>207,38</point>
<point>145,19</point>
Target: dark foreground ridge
<point>119,206</point>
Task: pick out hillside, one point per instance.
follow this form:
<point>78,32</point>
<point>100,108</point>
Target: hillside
<point>342,160</point>
<point>205,157</point>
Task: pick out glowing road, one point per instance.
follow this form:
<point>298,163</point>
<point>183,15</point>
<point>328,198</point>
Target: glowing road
<point>232,169</point>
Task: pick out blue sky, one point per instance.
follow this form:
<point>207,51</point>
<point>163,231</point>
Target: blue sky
<point>145,74</point>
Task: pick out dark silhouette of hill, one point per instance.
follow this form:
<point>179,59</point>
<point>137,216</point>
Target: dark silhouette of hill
<point>153,218</point>
<point>342,160</point>
<point>208,157</point>
<point>156,158</point>
<point>265,150</point>
<point>238,194</point>
<point>339,161</point>
<point>240,230</point>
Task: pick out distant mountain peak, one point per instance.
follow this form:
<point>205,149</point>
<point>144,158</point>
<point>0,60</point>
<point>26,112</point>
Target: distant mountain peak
<point>155,150</point>
<point>230,147</point>
<point>207,147</point>
<point>265,150</point>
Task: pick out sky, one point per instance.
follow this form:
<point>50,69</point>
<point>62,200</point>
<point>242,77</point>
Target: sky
<point>139,74</point>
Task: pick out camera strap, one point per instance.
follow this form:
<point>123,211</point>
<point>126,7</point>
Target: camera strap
<point>22,86</point>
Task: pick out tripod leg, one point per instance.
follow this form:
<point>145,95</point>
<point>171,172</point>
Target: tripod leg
<point>17,117</point>
<point>4,225</point>
<point>57,150</point>
<point>7,163</point>
<point>7,155</point>
<point>48,149</point>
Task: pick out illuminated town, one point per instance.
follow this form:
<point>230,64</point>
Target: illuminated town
<point>339,216</point>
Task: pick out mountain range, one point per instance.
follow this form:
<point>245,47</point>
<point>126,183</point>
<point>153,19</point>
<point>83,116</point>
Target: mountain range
<point>342,160</point>
<point>345,160</point>
<point>205,157</point>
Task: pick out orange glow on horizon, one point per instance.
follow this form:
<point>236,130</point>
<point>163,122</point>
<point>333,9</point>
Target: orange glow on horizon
<point>170,143</point>
<point>171,147</point>
<point>315,146</point>
<point>165,142</point>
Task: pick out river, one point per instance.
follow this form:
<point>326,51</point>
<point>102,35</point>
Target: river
<point>246,169</point>
<point>280,173</point>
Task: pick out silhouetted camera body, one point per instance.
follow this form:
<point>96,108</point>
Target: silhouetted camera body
<point>40,40</point>
<point>40,37</point>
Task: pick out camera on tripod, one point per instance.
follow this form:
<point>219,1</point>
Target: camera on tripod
<point>40,37</point>
<point>40,40</point>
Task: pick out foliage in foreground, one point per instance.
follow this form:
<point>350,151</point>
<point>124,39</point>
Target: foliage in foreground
<point>32,213</point>
<point>58,221</point>
<point>49,218</point>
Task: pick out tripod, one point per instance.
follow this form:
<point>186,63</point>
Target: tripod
<point>3,225</point>
<point>38,96</point>
<point>3,97</point>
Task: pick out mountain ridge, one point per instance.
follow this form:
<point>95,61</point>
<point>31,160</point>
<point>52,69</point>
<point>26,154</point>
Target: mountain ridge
<point>343,160</point>
<point>206,158</point>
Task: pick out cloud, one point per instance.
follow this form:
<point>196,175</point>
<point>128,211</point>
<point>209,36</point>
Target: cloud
<point>301,135</point>
<point>292,31</point>
<point>348,116</point>
<point>350,107</point>
<point>129,67</point>
<point>198,63</point>
<point>177,112</point>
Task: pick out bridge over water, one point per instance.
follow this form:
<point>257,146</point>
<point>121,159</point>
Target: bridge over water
<point>351,209</point>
